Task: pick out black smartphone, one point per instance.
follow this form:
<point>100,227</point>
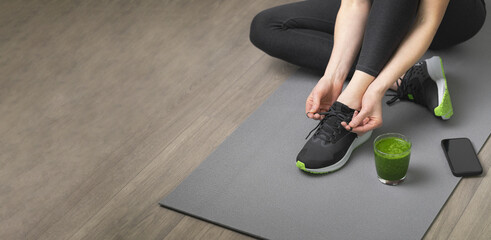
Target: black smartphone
<point>461,157</point>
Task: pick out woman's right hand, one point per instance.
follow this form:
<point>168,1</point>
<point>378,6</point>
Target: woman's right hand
<point>324,94</point>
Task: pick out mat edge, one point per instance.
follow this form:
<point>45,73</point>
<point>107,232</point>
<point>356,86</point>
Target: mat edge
<point>210,221</point>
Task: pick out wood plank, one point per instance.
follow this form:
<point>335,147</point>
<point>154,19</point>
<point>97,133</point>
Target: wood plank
<point>475,222</point>
<point>175,162</point>
<point>460,200</point>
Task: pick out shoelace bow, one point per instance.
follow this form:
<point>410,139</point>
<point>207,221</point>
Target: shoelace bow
<point>335,130</point>
<point>402,89</point>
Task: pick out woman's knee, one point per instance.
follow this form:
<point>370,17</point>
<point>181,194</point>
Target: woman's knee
<point>259,31</point>
<point>457,27</point>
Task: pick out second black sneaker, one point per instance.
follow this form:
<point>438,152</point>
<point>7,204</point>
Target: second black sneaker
<point>331,145</point>
<point>425,84</point>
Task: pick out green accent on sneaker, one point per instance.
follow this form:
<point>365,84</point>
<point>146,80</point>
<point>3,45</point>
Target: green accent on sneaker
<point>410,96</point>
<point>301,165</point>
<point>445,109</point>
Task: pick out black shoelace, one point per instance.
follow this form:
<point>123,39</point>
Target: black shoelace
<point>402,89</point>
<point>322,127</point>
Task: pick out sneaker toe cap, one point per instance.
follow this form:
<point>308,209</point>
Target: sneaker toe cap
<point>315,157</point>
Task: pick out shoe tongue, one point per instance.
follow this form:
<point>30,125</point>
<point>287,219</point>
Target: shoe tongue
<point>339,107</point>
<point>334,121</point>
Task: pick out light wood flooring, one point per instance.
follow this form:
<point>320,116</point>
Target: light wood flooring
<point>106,106</point>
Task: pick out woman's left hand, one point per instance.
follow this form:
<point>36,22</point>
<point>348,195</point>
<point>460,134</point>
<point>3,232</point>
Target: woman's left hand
<point>370,115</point>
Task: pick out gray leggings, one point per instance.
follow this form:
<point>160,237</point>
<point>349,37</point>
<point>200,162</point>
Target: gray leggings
<point>302,33</point>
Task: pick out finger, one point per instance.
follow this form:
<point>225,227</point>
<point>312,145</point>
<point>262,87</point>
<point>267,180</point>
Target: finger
<point>365,121</point>
<point>308,106</point>
<point>346,126</point>
<point>317,116</point>
<point>310,115</point>
<point>315,103</point>
<point>370,125</point>
<point>362,129</point>
<point>308,103</point>
<point>355,114</point>
<point>358,120</point>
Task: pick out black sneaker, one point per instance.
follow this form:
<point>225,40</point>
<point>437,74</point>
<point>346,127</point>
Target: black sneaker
<point>331,145</point>
<point>426,85</point>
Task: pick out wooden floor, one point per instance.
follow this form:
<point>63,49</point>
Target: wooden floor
<point>106,106</point>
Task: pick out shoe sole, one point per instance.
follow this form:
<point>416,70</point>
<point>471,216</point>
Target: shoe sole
<point>437,74</point>
<point>357,142</point>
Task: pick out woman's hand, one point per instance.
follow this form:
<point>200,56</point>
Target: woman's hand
<point>370,115</point>
<point>322,97</point>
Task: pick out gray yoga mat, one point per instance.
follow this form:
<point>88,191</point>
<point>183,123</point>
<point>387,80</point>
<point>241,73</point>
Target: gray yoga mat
<point>250,182</point>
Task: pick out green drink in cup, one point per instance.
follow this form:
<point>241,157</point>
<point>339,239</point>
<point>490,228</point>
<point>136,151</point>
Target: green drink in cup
<point>392,152</point>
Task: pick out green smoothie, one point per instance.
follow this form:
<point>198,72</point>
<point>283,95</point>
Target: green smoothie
<point>392,157</point>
